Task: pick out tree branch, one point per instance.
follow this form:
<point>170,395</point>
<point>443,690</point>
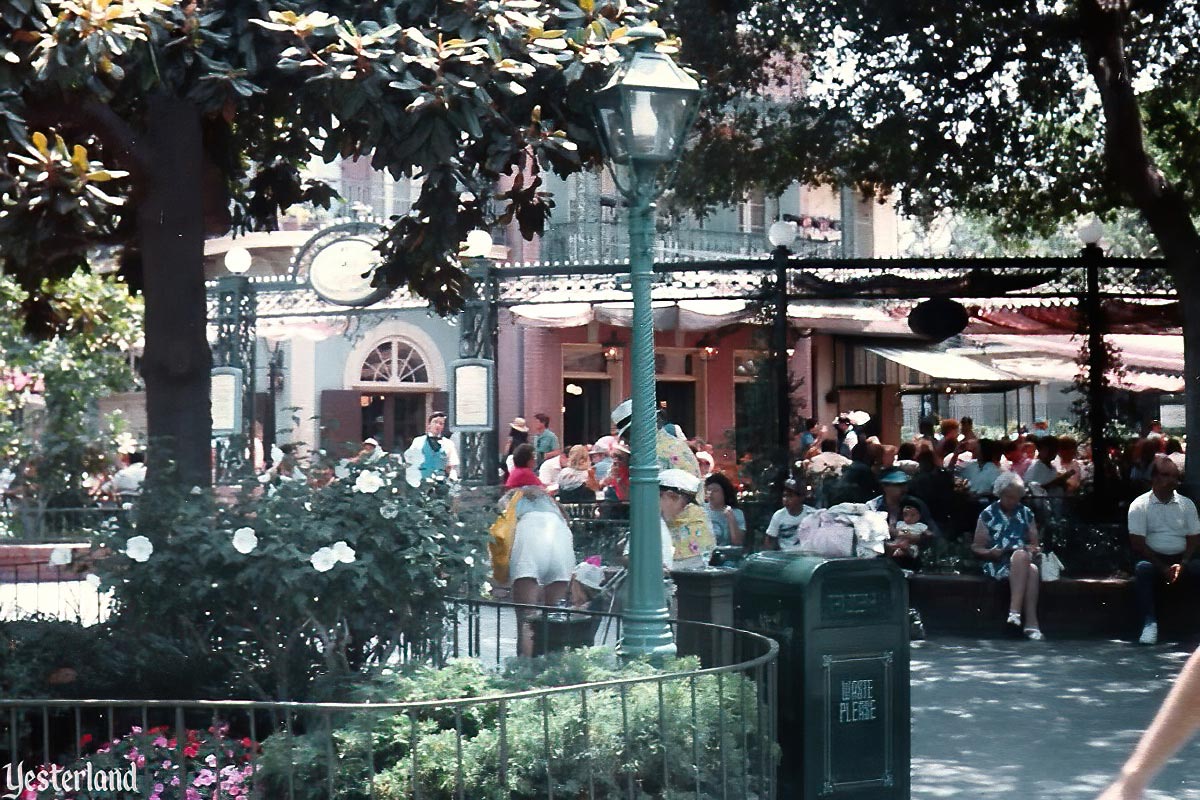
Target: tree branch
<point>1102,38</point>
<point>119,138</point>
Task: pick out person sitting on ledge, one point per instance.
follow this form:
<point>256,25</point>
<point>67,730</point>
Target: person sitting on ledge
<point>1164,531</point>
<point>1006,540</point>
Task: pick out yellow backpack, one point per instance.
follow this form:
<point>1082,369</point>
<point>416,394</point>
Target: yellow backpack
<point>503,531</point>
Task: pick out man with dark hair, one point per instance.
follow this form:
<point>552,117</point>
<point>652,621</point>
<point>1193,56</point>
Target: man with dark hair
<point>432,455</point>
<point>127,483</point>
<point>1042,471</point>
<point>1164,532</point>
<point>545,441</point>
<point>809,437</point>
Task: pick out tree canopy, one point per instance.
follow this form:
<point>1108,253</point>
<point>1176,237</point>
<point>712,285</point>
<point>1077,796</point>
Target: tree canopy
<point>1035,112</point>
<point>151,124</point>
<point>1032,114</point>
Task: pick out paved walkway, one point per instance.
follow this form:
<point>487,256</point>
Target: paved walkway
<point>1033,720</point>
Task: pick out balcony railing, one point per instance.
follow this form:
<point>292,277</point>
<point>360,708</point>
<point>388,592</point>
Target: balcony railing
<point>606,241</point>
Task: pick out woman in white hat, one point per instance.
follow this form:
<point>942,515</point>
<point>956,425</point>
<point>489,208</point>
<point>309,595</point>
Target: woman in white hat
<point>691,532</point>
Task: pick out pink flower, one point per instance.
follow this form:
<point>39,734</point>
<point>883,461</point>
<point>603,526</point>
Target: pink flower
<point>160,741</point>
<point>211,760</point>
<point>205,778</point>
<point>192,794</point>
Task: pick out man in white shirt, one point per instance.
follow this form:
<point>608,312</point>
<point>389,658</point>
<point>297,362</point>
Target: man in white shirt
<point>432,455</point>
<point>785,523</point>
<point>1164,532</point>
<point>127,483</point>
<point>1042,471</point>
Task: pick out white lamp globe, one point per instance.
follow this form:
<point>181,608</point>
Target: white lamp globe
<point>237,260</point>
<point>1092,232</point>
<point>478,244</point>
<point>782,234</point>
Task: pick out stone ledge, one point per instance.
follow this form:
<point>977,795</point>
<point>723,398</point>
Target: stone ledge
<point>1070,608</point>
<point>30,563</point>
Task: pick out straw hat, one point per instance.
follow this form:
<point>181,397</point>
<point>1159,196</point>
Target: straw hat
<point>518,424</point>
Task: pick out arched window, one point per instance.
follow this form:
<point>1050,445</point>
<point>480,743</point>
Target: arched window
<point>394,362</point>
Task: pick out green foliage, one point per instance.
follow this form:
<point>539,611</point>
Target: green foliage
<point>461,93</point>
<point>52,658</point>
<point>625,736</point>
<point>1021,114</point>
<point>326,581</point>
<point>91,324</point>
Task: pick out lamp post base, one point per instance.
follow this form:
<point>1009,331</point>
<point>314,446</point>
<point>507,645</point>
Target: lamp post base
<point>649,639</point>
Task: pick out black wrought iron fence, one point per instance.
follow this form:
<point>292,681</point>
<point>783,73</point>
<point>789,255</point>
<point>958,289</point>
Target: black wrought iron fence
<point>702,733</point>
<point>33,588</point>
<point>29,522</point>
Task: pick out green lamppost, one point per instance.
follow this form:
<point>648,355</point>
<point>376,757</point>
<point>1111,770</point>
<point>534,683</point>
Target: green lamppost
<point>235,347</point>
<point>644,113</point>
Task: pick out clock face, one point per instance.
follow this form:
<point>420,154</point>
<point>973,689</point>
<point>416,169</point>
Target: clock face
<point>341,262</point>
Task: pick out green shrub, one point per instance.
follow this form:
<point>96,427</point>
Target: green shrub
<point>56,659</point>
<point>630,737</point>
<point>292,589</point>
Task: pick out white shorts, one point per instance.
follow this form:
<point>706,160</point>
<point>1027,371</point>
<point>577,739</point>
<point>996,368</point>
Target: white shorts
<point>543,549</point>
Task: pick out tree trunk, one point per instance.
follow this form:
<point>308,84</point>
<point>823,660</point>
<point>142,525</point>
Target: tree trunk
<point>1188,289</point>
<point>177,363</point>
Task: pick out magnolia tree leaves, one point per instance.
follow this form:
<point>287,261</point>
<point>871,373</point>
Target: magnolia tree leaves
<point>463,94</point>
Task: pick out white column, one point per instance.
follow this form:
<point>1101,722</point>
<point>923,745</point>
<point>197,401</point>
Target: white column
<point>301,377</point>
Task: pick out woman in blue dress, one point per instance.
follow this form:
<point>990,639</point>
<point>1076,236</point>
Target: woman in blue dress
<point>1006,540</point>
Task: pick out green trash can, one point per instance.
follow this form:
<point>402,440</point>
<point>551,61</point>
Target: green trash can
<point>842,628</point>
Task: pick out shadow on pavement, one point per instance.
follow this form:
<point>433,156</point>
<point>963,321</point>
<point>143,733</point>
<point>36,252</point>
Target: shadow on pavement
<point>1019,719</point>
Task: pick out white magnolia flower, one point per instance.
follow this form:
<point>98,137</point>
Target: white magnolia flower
<point>60,556</point>
<point>343,552</point>
<point>368,482</point>
<point>469,561</point>
<point>323,560</point>
<point>341,472</point>
<point>244,540</point>
<point>139,548</point>
<point>196,490</point>
<point>389,510</point>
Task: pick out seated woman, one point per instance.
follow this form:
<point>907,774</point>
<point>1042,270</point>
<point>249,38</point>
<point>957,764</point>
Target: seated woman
<point>543,550</point>
<point>728,521</point>
<point>908,535</point>
<point>577,483</point>
<point>1006,539</point>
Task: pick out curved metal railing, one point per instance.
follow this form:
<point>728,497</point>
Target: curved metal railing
<point>704,732</point>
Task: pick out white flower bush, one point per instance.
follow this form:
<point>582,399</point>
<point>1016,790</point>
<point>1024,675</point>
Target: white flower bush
<point>344,552</point>
<point>60,556</point>
<point>365,556</point>
<point>139,548</point>
<point>368,482</point>
<point>245,540</point>
<point>323,560</point>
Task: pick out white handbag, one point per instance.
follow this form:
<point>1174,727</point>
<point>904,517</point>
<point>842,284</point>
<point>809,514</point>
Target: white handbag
<point>1051,567</point>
